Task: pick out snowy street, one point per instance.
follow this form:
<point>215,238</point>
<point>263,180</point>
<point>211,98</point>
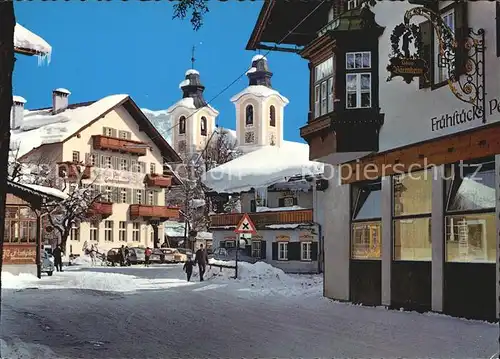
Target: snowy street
<point>153,313</point>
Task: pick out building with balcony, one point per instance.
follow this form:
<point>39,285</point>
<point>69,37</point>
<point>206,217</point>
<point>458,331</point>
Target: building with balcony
<point>111,146</point>
<point>411,212</point>
<point>273,180</point>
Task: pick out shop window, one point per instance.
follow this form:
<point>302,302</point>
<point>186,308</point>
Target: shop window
<point>182,125</point>
<point>358,80</point>
<point>324,76</point>
<point>366,221</point>
<point>412,205</point>
<point>249,116</point>
<point>272,116</point>
<point>470,212</point>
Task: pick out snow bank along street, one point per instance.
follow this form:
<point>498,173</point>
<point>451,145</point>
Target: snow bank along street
<point>101,312</point>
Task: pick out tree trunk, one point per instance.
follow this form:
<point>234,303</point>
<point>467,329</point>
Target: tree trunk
<point>7,24</point>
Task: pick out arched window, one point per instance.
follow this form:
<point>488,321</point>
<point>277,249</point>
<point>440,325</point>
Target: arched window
<point>272,116</point>
<point>249,115</point>
<point>203,126</point>
<point>182,125</point>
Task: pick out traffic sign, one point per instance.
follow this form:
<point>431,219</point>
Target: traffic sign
<point>245,226</point>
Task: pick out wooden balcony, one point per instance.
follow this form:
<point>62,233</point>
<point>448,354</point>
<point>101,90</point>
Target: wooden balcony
<point>263,219</point>
<point>106,143</point>
<point>103,209</point>
<point>73,170</point>
<point>157,180</point>
<point>153,212</point>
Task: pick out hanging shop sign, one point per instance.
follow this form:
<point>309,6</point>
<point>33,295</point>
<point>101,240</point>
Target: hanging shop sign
<point>403,63</point>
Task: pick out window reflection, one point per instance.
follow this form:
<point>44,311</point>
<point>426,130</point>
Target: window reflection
<point>412,239</point>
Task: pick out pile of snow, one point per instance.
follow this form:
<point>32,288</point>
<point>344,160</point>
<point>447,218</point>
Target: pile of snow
<point>262,168</point>
<point>27,40</point>
<point>191,72</point>
<point>14,348</point>
<point>86,261</point>
<point>262,278</point>
<point>258,57</point>
<point>20,281</point>
<point>47,190</point>
<point>42,127</point>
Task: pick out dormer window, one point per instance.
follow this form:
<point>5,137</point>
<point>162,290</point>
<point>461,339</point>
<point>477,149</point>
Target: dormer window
<point>358,80</point>
<point>272,116</point>
<point>182,125</point>
<point>249,115</point>
<point>324,76</point>
<point>203,126</point>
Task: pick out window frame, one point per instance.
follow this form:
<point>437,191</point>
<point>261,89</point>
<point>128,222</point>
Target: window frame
<point>285,250</point>
<point>108,231</point>
<point>94,229</point>
<point>136,232</point>
<point>438,70</point>
<point>122,231</point>
<point>203,126</point>
<point>353,4</point>
<point>272,116</point>
<point>75,232</point>
<point>182,125</point>
<point>328,92</point>
<point>306,255</point>
<point>256,250</point>
<point>152,168</point>
<point>75,156</point>
<point>247,124</point>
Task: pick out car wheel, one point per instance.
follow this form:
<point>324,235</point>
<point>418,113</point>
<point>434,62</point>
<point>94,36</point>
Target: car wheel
<point>50,274</point>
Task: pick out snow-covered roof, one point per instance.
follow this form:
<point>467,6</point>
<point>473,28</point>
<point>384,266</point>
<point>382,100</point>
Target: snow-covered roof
<point>262,168</point>
<point>474,195</point>
<point>174,229</point>
<point>250,70</point>
<point>187,103</point>
<point>259,91</point>
<point>19,99</point>
<point>41,126</point>
<point>258,57</point>
<point>47,190</point>
<point>185,82</point>
<point>63,90</point>
<point>204,235</point>
<point>27,40</point>
<point>191,72</point>
<point>162,121</point>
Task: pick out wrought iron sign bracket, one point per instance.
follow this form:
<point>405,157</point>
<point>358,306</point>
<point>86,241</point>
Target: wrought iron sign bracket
<point>468,82</point>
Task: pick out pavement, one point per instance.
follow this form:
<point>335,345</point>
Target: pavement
<point>216,320</point>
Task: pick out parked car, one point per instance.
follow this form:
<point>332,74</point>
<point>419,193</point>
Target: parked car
<point>112,255</point>
<point>157,256</point>
<point>179,257</point>
<point>187,252</point>
<point>168,255</point>
<point>136,255</point>
<point>47,263</point>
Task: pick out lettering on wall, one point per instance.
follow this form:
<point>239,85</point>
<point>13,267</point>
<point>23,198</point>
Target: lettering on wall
<point>460,117</point>
<point>282,238</point>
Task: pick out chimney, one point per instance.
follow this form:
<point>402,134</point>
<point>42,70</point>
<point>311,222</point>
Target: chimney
<point>17,112</point>
<point>60,100</point>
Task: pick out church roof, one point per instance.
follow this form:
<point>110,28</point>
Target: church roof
<point>193,88</point>
<point>259,73</point>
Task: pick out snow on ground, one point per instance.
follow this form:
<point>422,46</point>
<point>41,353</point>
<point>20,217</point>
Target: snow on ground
<point>16,349</point>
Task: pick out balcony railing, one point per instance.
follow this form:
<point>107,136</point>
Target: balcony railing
<point>104,209</point>
<point>107,143</point>
<point>73,170</point>
<point>157,180</point>
<point>263,219</point>
<point>151,212</point>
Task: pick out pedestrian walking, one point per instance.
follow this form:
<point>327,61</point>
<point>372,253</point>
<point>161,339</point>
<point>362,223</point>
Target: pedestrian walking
<point>121,255</point>
<point>57,253</point>
<point>127,256</point>
<point>201,258</point>
<point>188,268</point>
<point>147,255</point>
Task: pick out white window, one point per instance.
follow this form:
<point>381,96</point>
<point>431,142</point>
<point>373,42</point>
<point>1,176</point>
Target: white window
<point>324,91</point>
<point>92,159</point>
<point>94,231</point>
<point>282,251</point>
<point>249,137</point>
<point>152,168</point>
<point>122,233</point>
<point>123,164</point>
<point>76,156</point>
<point>352,4</point>
<point>151,198</point>
<point>75,232</point>
<point>305,251</point>
<point>136,232</point>
<point>107,196</point>
<point>108,162</point>
<point>123,195</point>
<point>126,135</point>
<point>440,66</point>
<point>256,249</point>
<point>108,231</point>
<point>358,92</point>
<point>108,131</point>
<point>138,196</point>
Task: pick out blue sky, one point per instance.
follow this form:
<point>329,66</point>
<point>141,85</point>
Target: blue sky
<point>103,48</point>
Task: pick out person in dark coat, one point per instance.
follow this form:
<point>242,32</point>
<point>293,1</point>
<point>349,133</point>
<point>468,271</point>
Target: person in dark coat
<point>127,253</point>
<point>201,258</point>
<point>121,255</point>
<point>188,268</point>
<point>57,253</point>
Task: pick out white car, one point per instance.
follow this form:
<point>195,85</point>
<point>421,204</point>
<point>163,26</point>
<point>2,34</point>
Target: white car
<point>172,255</point>
<point>47,263</point>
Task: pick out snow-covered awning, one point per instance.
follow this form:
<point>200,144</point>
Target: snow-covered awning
<point>28,43</point>
<point>262,168</point>
<point>40,191</point>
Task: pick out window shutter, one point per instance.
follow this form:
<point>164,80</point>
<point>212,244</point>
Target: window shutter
<point>295,201</point>
<point>275,251</point>
<point>116,191</point>
<point>102,161</point>
<point>134,197</point>
<point>87,158</point>
<point>461,33</point>
<point>129,195</point>
<point>129,135</point>
<point>223,244</point>
<point>294,251</point>
<point>281,202</point>
<point>113,132</point>
<point>248,250</point>
<point>155,198</point>
<point>104,131</point>
<point>144,198</point>
<point>314,251</point>
<point>427,54</point>
<point>253,206</point>
<point>133,166</point>
<point>263,249</point>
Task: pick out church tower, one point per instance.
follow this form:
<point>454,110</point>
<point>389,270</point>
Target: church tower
<point>192,119</point>
<point>259,109</point>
